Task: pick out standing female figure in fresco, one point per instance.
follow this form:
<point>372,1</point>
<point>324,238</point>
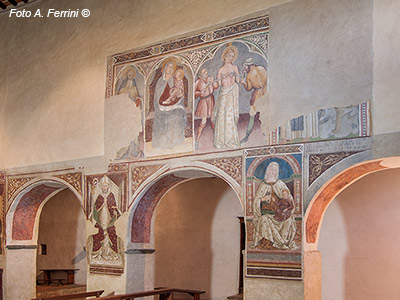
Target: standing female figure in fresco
<point>169,121</point>
<point>273,211</point>
<point>226,110</point>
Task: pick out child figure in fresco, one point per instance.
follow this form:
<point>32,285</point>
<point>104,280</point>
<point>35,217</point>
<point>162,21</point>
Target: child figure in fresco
<point>284,207</point>
<point>177,91</point>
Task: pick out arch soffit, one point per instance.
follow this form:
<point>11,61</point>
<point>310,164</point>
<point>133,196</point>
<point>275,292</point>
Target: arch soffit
<point>29,217</point>
<point>25,188</point>
<point>321,200</point>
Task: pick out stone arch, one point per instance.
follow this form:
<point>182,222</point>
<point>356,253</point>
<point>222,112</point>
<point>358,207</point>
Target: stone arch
<point>151,192</point>
<point>315,213</point>
<point>24,212</point>
<point>322,199</point>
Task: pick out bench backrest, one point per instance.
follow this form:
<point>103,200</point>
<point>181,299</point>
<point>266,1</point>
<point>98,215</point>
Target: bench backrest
<point>72,296</point>
<point>152,293</point>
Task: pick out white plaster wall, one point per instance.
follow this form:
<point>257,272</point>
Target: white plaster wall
<point>62,229</point>
<point>52,79</point>
<point>53,69</point>
<point>320,55</point>
<point>386,39</point>
<point>20,274</point>
<point>197,238</point>
<point>359,240</point>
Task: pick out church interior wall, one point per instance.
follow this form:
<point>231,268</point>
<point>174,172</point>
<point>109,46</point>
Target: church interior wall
<point>323,57</point>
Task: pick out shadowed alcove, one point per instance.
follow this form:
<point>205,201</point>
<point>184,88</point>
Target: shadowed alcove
<point>62,237</point>
<point>197,238</point>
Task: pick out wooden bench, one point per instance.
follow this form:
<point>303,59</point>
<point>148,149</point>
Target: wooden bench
<point>69,272</point>
<point>164,294</point>
<point>72,296</point>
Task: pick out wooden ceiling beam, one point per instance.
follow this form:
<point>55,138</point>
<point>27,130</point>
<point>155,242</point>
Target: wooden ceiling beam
<point>13,2</point>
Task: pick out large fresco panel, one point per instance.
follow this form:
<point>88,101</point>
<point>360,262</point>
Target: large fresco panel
<point>274,215</point>
<point>229,86</point>
<point>197,94</point>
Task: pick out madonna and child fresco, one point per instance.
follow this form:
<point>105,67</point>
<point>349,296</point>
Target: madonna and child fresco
<point>272,208</point>
<point>171,115</point>
<point>274,214</point>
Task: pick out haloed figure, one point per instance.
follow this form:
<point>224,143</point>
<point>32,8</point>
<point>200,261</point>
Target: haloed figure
<point>226,111</point>
<point>256,80</point>
<point>105,213</point>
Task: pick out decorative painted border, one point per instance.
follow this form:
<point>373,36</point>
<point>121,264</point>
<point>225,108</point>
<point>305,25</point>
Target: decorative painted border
<point>140,174</point>
<point>103,270</point>
<point>271,150</point>
<point>13,185</point>
<point>319,163</point>
<point>3,209</point>
<point>74,179</point>
<point>231,165</point>
<point>201,39</point>
<point>365,119</point>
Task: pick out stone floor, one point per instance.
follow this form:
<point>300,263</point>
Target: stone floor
<point>236,297</point>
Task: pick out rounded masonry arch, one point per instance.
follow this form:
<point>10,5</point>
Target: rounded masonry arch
<point>321,200</point>
<point>145,203</point>
<point>24,212</point>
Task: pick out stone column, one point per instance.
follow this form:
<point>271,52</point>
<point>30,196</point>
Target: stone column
<point>312,275</point>
<point>20,272</point>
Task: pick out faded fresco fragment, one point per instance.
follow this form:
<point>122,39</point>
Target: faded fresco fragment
<point>130,84</point>
<point>274,214</point>
<point>325,124</point>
